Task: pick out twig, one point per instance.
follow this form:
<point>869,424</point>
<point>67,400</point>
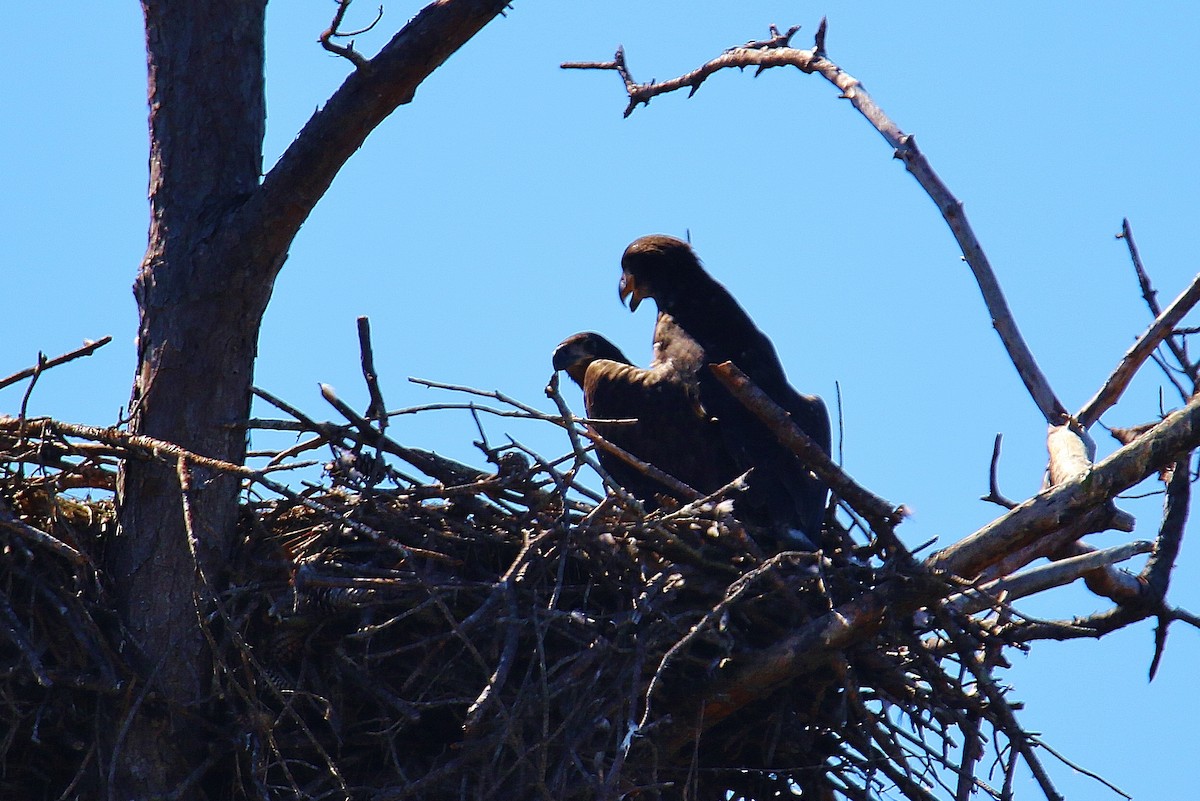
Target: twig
<point>377,410</point>
<point>1079,768</point>
<point>994,495</point>
<point>1151,298</point>
<point>87,349</point>
<point>905,149</point>
<point>18,635</point>
<point>348,52</point>
<point>443,469</point>
<point>34,534</point>
<point>999,706</point>
<point>581,456</point>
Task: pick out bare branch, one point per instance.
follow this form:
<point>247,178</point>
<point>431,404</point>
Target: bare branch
<point>1104,580</point>
<point>348,52</point>
<point>272,215</point>
<point>87,349</point>
<point>1160,329</point>
<point>994,494</point>
<point>905,147</point>
<point>377,410</point>
<point>1045,577</point>
<point>1151,298</point>
<point>1159,447</point>
<point>1102,518</point>
<point>1157,573</point>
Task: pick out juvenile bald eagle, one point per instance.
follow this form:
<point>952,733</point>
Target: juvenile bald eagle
<point>699,324</point>
<point>672,433</point>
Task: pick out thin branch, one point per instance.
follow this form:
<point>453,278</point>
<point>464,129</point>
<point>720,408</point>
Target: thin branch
<point>34,534</point>
<point>1159,330</point>
<point>999,706</point>
<point>1045,577</point>
<point>377,410</point>
<point>1104,580</point>
<point>905,147</point>
<point>87,349</point>
<point>1080,769</point>
<point>443,469</point>
<point>348,52</point>
<point>1151,298</point>
<point>994,494</point>
<point>580,453</point>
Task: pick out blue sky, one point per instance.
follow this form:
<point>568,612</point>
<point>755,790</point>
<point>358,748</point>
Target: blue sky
<point>483,223</point>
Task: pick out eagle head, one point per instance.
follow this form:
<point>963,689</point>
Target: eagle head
<point>576,352</point>
<point>656,266</point>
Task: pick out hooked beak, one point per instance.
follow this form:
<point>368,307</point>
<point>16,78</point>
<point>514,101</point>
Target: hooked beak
<point>628,289</point>
<point>564,357</point>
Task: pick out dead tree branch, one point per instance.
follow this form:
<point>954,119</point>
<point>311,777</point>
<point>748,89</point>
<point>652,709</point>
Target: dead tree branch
<point>1151,297</point>
<point>1161,329</point>
<point>332,32</point>
<point>87,349</point>
<point>1179,433</point>
<point>377,410</point>
<point>290,190</point>
<point>905,149</point>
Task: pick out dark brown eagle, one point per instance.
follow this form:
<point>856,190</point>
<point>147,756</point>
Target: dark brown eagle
<point>699,324</point>
<point>672,432</point>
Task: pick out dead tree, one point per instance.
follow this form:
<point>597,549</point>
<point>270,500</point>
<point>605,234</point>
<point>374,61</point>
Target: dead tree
<point>218,237</point>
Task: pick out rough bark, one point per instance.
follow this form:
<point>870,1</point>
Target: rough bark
<point>216,243</point>
<point>199,312</point>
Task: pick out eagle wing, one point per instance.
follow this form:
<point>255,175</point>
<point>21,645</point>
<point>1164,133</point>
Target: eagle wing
<point>670,431</point>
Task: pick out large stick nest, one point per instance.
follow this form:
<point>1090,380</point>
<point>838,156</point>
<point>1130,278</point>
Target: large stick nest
<point>493,635</point>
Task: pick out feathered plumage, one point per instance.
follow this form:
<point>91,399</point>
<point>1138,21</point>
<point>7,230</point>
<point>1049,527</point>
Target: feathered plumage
<point>672,432</point>
<point>699,324</point>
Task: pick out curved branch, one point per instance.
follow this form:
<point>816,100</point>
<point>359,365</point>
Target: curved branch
<point>905,145</point>
<point>374,90</point>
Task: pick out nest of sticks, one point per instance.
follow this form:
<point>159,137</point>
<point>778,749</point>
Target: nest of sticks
<point>508,631</point>
<point>483,633</point>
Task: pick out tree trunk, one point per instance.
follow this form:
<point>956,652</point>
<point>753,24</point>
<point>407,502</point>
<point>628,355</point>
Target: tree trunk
<point>217,241</point>
<point>197,335</point>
